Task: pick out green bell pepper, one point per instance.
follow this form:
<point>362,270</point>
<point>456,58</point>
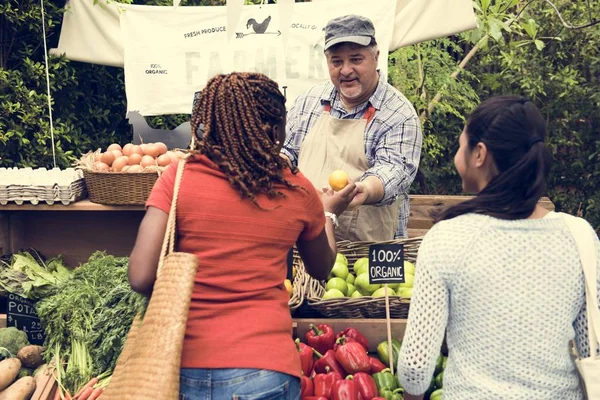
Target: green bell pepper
<point>392,394</point>
<point>384,354</point>
<point>384,380</point>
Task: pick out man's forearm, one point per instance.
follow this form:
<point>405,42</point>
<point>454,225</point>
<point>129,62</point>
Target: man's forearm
<point>374,189</point>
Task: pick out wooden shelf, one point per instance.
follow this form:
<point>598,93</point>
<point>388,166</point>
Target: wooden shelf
<point>83,205</point>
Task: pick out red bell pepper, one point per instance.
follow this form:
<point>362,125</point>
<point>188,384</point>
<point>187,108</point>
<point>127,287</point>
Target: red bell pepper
<point>345,390</point>
<point>320,338</point>
<point>327,361</point>
<point>366,385</point>
<point>356,335</point>
<point>307,387</point>
<point>352,357</point>
<point>376,365</point>
<point>338,344</point>
<point>306,357</point>
<point>324,383</point>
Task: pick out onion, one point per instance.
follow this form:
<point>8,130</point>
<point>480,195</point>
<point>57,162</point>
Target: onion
<point>117,153</point>
<point>147,161</point>
<point>127,149</point>
<point>134,169</point>
<point>163,160</point>
<point>100,166</point>
<point>114,146</point>
<point>107,158</point>
<point>137,149</point>
<point>134,159</point>
<point>162,148</point>
<point>152,151</point>
<point>119,163</point>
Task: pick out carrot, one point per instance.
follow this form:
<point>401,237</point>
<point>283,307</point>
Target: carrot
<point>91,383</point>
<point>57,394</point>
<point>95,394</point>
<point>86,393</point>
<point>68,396</point>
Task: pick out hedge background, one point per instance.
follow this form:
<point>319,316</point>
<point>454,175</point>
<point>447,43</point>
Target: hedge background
<point>521,47</point>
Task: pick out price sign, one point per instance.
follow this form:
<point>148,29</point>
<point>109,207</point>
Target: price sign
<point>22,315</point>
<point>386,263</point>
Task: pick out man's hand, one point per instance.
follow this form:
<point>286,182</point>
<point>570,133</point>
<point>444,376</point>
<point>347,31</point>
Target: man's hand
<point>361,196</point>
<point>370,191</point>
<point>338,202</point>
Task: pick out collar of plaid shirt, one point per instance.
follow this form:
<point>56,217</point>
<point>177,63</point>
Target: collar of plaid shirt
<point>331,95</point>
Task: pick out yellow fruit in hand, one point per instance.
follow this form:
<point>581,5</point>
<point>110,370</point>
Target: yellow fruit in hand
<point>289,287</point>
<point>338,180</point>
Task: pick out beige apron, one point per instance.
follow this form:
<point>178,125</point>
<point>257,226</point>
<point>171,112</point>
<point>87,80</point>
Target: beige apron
<point>339,144</point>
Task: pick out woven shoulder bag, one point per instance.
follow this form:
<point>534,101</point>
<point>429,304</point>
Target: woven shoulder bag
<point>589,368</point>
<point>149,365</point>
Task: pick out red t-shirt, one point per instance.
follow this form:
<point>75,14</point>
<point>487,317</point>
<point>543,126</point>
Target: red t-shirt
<point>239,315</point>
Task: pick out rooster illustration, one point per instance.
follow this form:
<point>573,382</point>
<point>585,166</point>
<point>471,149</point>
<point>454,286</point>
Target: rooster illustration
<point>178,138</point>
<point>259,28</point>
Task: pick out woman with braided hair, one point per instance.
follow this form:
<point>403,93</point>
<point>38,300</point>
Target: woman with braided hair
<point>240,209</point>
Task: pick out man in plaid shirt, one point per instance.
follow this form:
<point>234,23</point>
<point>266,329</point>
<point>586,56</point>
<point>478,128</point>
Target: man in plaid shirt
<point>358,123</point>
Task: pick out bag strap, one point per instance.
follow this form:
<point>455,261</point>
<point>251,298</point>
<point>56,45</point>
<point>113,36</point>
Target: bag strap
<point>168,245</point>
<point>587,252</point>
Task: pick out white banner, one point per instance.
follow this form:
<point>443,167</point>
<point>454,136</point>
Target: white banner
<point>170,52</point>
<point>168,58</point>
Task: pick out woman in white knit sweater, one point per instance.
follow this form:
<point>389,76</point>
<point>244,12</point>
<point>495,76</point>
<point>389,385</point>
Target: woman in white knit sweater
<point>500,275</point>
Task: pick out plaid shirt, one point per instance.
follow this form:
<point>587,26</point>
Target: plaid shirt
<point>393,137</point>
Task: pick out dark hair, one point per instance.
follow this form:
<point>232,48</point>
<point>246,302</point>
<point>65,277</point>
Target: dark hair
<point>513,130</point>
<point>239,111</point>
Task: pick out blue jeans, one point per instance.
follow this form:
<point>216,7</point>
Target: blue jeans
<point>237,384</point>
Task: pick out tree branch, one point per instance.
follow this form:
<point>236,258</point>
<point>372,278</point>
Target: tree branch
<point>454,75</point>
<point>562,20</point>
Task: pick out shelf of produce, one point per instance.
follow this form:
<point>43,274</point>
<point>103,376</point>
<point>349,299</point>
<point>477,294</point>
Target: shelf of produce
<point>374,330</point>
<point>75,230</point>
<point>79,229</point>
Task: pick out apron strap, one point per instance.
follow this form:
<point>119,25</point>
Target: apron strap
<point>369,114</point>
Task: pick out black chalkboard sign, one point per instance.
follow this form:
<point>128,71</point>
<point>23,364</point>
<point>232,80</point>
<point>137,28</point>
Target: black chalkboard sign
<point>22,315</point>
<point>386,263</point>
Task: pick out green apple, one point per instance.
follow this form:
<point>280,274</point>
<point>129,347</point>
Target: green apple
<point>351,289</point>
<point>337,283</point>
<point>356,294</point>
<point>409,280</point>
<point>341,258</point>
<point>362,282</point>
<point>394,286</point>
<point>409,268</point>
<point>350,278</point>
<point>439,380</point>
<point>333,294</point>
<point>340,270</point>
<point>381,292</point>
<point>405,292</point>
<point>444,363</point>
<point>439,365</point>
<point>437,395</point>
<point>361,265</point>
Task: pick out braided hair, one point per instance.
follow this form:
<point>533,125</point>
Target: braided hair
<point>239,111</point>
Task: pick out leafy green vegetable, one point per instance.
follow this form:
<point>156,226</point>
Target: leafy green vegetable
<point>87,320</point>
<point>28,275</point>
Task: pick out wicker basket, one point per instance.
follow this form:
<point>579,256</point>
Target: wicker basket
<point>119,188</point>
<point>299,284</point>
<point>361,307</point>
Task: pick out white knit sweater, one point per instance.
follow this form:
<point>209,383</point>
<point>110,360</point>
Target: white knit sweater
<point>510,297</point>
